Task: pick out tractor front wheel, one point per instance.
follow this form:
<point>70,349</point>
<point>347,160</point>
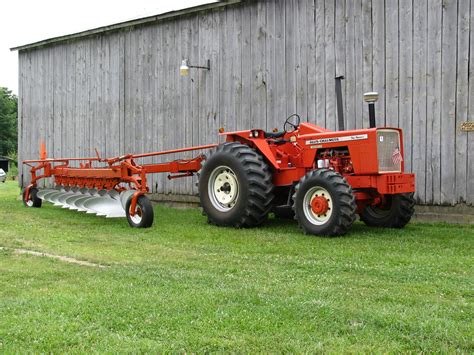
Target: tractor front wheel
<point>33,200</point>
<point>324,203</point>
<point>235,186</point>
<point>395,213</point>
<point>143,217</point>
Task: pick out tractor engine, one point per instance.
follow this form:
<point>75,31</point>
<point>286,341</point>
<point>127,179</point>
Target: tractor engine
<point>337,159</point>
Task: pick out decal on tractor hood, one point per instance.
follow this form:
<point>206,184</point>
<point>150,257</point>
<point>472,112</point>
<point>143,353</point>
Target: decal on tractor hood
<point>337,139</point>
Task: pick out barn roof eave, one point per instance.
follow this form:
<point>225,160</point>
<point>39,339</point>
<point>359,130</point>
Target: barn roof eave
<point>125,24</point>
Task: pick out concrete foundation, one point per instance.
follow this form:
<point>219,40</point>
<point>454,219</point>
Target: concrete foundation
<point>450,214</point>
<point>423,213</point>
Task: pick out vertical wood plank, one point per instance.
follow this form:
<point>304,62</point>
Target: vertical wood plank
<point>115,86</point>
<point>21,84</point>
<point>195,84</point>
<point>302,59</point>
<point>94,99</point>
<point>340,48</point>
<point>470,135</point>
<point>330,64</point>
<point>246,66</point>
<point>161,91</point>
<point>367,61</point>
<point>350,77</point>
<point>378,52</point>
<point>128,97</point>
<point>270,64</point>
<point>462,99</point>
<point>406,79</point>
<point>122,91</point>
<point>78,97</point>
<point>27,113</point>
<point>41,109</point>
<point>225,69</point>
<point>312,83</point>
<point>215,58</point>
<point>290,54</point>
<point>420,50</point>
<point>205,81</point>
<point>279,67</point>
<point>70,98</point>
<point>185,88</point>
<point>359,63</point>
<point>258,88</point>
<point>320,65</point>
<point>433,156</point>
<point>448,101</point>
<point>391,62</point>
<point>57,87</point>
<point>168,93</point>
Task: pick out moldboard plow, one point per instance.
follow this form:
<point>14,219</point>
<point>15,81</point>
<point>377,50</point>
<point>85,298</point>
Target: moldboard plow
<point>115,189</point>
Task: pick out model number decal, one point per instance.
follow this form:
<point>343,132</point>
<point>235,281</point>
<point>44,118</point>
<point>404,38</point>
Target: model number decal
<point>337,139</point>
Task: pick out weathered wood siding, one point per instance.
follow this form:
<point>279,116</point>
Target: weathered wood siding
<point>121,92</point>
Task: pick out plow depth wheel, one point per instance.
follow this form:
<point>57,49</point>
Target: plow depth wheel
<point>324,203</point>
<point>33,200</point>
<point>143,217</point>
<point>235,186</point>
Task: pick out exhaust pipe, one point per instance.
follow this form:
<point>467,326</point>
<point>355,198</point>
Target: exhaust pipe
<point>371,98</point>
<point>340,111</point>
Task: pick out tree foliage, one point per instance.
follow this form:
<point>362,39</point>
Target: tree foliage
<point>8,121</point>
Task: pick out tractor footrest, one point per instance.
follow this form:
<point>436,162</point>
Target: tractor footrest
<point>385,184</point>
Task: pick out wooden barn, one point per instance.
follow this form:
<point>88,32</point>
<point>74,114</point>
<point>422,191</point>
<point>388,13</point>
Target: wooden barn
<point>118,88</point>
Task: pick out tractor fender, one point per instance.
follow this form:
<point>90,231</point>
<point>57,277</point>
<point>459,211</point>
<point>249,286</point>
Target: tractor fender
<point>264,148</point>
<point>260,144</point>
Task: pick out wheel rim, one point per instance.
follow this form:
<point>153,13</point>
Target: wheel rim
<point>137,217</point>
<point>223,188</point>
<point>29,203</point>
<point>317,205</point>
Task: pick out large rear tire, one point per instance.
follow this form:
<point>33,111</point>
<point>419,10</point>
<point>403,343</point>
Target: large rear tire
<point>324,203</point>
<point>235,187</point>
<point>396,213</point>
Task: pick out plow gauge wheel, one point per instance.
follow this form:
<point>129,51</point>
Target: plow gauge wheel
<point>143,216</point>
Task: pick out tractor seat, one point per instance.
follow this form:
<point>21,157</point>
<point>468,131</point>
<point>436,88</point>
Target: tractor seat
<point>274,134</point>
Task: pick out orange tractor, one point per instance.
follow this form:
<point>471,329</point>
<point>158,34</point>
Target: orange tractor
<point>321,178</point>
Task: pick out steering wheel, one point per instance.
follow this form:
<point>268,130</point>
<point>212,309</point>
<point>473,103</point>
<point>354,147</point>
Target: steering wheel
<point>292,124</point>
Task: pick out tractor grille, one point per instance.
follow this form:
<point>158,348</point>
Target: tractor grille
<point>389,151</point>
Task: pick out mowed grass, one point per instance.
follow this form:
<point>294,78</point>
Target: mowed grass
<point>186,286</point>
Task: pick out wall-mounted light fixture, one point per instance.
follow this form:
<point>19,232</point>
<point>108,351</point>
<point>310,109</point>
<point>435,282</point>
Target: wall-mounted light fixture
<point>185,66</point>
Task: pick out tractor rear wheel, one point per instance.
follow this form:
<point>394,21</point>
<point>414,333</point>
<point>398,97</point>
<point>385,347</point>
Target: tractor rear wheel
<point>324,203</point>
<point>396,212</point>
<point>235,187</point>
<point>33,200</point>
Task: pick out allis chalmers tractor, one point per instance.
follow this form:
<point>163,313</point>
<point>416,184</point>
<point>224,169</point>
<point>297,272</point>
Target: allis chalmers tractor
<point>321,178</point>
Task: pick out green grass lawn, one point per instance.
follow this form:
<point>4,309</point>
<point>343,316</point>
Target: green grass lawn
<point>186,286</point>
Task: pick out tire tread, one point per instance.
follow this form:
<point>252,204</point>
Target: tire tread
<point>346,216</point>
<point>260,183</point>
